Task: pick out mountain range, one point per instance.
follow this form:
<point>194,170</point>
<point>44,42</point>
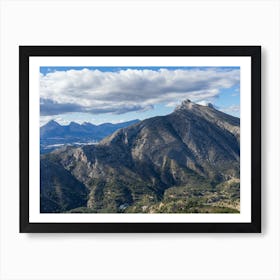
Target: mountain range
<point>54,135</point>
<point>184,162</point>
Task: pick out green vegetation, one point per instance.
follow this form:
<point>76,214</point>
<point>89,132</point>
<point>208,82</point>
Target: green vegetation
<point>223,198</point>
<point>112,198</point>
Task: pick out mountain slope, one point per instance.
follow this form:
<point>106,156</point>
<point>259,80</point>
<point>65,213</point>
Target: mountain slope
<point>59,190</point>
<point>194,148</point>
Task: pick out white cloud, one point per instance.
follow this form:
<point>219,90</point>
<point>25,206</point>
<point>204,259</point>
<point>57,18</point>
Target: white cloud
<point>45,119</point>
<point>232,110</point>
<point>204,102</point>
<point>94,91</point>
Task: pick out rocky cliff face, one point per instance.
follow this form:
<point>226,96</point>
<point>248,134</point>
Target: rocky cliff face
<point>136,168</point>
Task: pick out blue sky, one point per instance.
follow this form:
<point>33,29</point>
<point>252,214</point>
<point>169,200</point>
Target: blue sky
<point>50,69</point>
<point>117,94</point>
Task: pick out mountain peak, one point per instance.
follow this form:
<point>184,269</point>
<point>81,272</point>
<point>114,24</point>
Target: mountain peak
<point>186,104</point>
<point>74,124</point>
<point>52,123</point>
<point>87,124</point>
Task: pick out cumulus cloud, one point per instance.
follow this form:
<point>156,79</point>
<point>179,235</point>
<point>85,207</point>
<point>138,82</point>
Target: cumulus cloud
<point>130,90</point>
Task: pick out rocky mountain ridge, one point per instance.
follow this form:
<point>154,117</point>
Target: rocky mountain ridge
<point>150,165</point>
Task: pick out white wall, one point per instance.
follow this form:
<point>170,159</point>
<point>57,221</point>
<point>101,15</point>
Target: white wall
<point>139,256</point>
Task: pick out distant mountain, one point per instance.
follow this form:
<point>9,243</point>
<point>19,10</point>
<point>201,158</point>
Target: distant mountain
<point>187,161</point>
<point>53,135</point>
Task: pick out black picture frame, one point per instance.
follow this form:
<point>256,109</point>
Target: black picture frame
<point>254,52</point>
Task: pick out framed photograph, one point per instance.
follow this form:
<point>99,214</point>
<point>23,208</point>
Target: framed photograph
<point>140,138</point>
